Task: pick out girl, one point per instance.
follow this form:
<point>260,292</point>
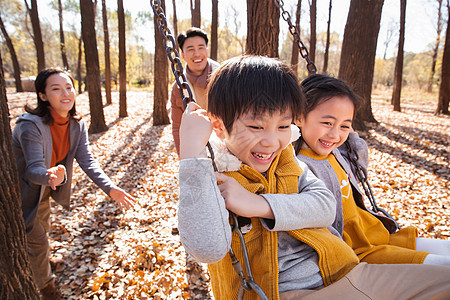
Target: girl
<point>46,140</point>
<point>325,125</point>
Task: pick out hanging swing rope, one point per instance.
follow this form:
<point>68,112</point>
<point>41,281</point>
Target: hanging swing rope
<point>247,282</point>
<point>312,69</point>
<point>362,177</point>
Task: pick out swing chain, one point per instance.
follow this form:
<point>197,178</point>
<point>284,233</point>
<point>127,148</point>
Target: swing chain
<point>247,284</point>
<point>312,69</point>
<point>362,177</point>
<point>172,52</point>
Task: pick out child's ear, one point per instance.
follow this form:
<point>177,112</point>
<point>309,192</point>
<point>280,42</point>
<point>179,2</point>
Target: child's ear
<point>218,127</point>
<point>299,121</point>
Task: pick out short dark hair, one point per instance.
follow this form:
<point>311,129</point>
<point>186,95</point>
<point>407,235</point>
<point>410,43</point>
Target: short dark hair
<point>191,32</point>
<point>253,84</point>
<point>40,84</point>
<point>319,88</point>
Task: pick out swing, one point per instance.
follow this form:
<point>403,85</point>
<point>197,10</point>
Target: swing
<point>247,282</point>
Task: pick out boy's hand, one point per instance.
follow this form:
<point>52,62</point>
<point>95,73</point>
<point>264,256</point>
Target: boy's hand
<point>242,202</point>
<point>122,198</point>
<point>195,130</point>
<point>56,175</point>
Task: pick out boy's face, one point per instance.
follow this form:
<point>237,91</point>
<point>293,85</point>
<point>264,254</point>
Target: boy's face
<point>328,125</point>
<point>195,53</point>
<point>257,140</point>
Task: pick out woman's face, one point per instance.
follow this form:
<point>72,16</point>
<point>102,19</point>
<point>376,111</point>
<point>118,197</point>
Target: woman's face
<point>60,93</point>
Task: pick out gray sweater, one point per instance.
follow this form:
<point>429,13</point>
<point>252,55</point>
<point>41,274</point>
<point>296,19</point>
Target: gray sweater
<point>32,146</point>
<point>205,231</point>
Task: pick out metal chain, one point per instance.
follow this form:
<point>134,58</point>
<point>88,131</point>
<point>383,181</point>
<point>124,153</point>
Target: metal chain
<point>247,283</point>
<point>362,177</point>
<point>312,69</point>
<point>172,53</point>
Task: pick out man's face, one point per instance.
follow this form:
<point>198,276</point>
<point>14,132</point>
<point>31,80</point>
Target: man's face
<point>195,54</point>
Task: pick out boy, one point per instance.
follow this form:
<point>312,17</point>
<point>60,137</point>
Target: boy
<point>252,102</point>
<point>194,51</point>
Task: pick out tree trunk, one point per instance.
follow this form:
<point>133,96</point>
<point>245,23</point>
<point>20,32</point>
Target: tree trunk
<point>15,268</point>
<point>263,28</point>
<point>196,15</point>
<point>295,49</point>
<point>444,88</point>
<point>14,59</point>
<point>92,67</point>
<point>37,35</point>
<point>175,22</point>
<point>122,62</point>
<point>61,37</point>
<point>327,43</point>
<point>398,72</point>
<point>214,26</point>
<point>161,80</point>
<point>313,40</point>
<point>80,54</point>
<point>107,56</point>
<point>359,46</point>
<point>435,49</point>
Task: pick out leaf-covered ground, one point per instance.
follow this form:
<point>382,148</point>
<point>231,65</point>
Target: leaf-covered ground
<point>98,252</point>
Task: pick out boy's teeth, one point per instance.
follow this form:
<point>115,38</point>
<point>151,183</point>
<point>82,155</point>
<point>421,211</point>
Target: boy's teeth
<point>327,144</point>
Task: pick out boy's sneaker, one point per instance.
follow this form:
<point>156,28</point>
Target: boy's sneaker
<point>50,292</point>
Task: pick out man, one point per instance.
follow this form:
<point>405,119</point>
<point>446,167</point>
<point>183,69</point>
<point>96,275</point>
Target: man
<point>194,51</point>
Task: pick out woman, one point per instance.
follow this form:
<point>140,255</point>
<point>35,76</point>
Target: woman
<point>46,140</point>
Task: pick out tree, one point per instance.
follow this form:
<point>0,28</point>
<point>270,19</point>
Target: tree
<point>37,35</point>
<point>398,73</point>
<point>435,48</point>
<point>263,18</point>
<point>313,38</point>
<point>92,67</point>
<point>15,269</point>
<point>295,49</point>
<point>61,37</point>
<point>357,62</point>
<point>214,26</point>
<point>195,12</point>
<point>161,80</point>
<point>175,21</point>
<point>122,62</point>
<point>327,43</point>
<point>80,56</point>
<point>444,88</point>
<point>107,56</point>
<point>14,59</point>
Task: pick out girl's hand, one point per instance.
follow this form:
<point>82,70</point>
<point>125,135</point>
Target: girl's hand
<point>242,202</point>
<point>195,130</point>
<point>56,176</point>
<point>122,198</point>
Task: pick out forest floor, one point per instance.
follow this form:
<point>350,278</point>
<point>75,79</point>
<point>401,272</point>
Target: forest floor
<point>99,252</point>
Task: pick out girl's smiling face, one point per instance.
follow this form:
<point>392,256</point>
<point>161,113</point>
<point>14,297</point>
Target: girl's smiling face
<point>328,125</point>
<point>60,93</point>
<point>257,140</point>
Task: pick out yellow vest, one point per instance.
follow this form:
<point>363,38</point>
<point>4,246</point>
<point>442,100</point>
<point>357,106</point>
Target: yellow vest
<point>367,236</point>
<point>335,257</point>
